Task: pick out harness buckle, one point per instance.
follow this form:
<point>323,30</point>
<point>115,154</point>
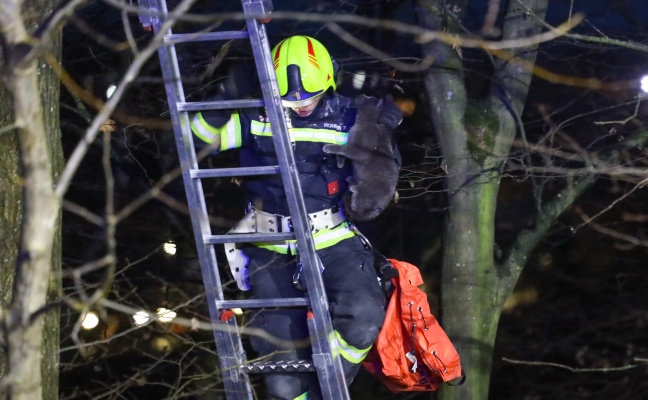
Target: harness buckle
<point>284,224</point>
<point>299,269</point>
<point>297,281</point>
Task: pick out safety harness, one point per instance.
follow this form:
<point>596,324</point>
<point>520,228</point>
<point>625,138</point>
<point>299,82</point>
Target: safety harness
<point>329,226</point>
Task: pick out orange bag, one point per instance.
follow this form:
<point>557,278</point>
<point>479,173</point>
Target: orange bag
<point>412,352</point>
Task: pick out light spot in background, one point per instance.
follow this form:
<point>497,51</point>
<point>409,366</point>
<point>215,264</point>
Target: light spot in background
<point>644,84</point>
<point>140,318</point>
<point>359,79</point>
<point>110,91</point>
<point>166,315</point>
<point>90,321</point>
<point>169,248</point>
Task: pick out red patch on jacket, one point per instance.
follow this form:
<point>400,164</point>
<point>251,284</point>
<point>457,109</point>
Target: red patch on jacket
<point>332,188</point>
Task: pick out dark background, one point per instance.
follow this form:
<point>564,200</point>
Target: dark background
<point>580,303</point>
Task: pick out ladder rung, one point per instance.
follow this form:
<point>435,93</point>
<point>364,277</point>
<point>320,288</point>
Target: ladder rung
<point>204,37</point>
<point>220,105</point>
<point>263,303</point>
<point>240,171</point>
<point>248,237</point>
<point>264,367</point>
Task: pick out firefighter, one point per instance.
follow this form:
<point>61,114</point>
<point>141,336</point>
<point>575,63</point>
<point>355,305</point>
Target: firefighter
<point>318,115</point>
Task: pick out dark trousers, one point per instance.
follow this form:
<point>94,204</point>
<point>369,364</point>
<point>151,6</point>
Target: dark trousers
<point>356,304</point>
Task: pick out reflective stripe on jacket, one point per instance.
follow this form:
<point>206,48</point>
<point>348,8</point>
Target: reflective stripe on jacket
<point>230,133</point>
<point>322,239</point>
<point>303,134</point>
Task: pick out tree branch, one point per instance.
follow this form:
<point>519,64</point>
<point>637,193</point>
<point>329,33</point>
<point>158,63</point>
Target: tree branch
<point>528,239</point>
<point>577,370</point>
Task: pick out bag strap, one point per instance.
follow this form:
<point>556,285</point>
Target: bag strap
<point>458,381</point>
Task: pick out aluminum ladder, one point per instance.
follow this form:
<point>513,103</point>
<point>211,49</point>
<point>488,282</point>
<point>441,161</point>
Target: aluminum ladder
<point>234,365</point>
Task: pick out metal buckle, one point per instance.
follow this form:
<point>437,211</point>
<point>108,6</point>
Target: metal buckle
<point>292,228</point>
<point>289,224</point>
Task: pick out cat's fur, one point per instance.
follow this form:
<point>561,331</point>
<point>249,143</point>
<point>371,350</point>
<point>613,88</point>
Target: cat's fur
<point>375,171</point>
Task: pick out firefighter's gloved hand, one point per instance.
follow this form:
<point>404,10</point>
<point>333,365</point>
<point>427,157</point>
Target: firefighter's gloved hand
<point>390,115</point>
<point>241,82</point>
<point>385,272</point>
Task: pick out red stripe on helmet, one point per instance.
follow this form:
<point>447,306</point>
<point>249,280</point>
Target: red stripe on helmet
<point>311,50</point>
<point>311,53</point>
<point>276,57</point>
<point>313,61</point>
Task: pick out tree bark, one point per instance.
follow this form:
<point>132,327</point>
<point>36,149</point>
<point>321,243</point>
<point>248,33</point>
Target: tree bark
<point>475,138</point>
<point>10,212</point>
<point>30,157</point>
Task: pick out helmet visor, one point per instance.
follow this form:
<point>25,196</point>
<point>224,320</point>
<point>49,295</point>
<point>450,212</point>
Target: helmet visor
<point>301,103</point>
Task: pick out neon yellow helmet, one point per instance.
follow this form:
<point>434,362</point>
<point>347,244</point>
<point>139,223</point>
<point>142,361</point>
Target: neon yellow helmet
<point>304,70</point>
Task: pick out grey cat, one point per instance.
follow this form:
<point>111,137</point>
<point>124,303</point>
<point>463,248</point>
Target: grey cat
<point>375,170</point>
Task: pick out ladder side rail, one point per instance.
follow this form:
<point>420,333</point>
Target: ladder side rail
<point>229,347</point>
<point>188,162</point>
<point>225,333</point>
<point>329,366</point>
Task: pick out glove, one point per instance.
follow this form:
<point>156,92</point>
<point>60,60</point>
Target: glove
<point>241,82</point>
<point>385,272</point>
<point>390,115</point>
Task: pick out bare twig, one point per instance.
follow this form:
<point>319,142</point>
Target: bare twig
<point>8,128</point>
<point>611,205</point>
<point>577,370</point>
<point>83,213</point>
<point>610,232</point>
<point>593,39</point>
<point>630,118</point>
<point>379,55</point>
<point>196,324</point>
<point>111,226</point>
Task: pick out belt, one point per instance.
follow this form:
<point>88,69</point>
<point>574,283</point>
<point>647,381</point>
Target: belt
<point>258,221</point>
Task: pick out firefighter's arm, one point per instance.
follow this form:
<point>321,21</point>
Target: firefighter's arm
<point>391,116</point>
<point>206,134</point>
<point>219,135</point>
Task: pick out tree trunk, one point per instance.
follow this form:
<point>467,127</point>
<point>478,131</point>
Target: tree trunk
<point>475,138</point>
<point>30,157</point>
<point>10,212</point>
